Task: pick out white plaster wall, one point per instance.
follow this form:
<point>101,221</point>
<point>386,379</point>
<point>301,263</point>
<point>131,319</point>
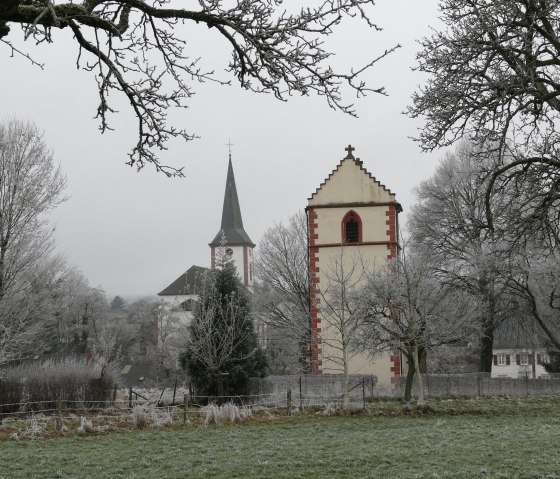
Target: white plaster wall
<point>329,223</point>
<point>514,370</point>
<point>351,184</point>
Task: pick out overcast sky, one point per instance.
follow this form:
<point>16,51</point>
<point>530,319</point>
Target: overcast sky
<point>134,233</point>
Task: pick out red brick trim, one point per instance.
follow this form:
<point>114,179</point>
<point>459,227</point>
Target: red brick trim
<point>391,231</point>
<point>347,245</point>
<point>315,321</point>
<point>212,257</point>
<point>358,205</point>
<point>245,266</point>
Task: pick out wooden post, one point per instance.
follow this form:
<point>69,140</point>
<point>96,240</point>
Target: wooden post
<point>364,392</point>
<point>185,408</point>
<point>114,394</point>
<point>300,397</point>
<point>289,401</point>
<point>59,423</point>
<point>174,392</point>
<point>130,398</point>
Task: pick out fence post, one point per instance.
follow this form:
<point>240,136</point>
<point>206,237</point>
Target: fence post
<point>59,423</point>
<point>114,394</point>
<point>479,382</point>
<point>174,392</point>
<point>527,384</point>
<point>364,392</point>
<point>300,397</point>
<point>289,401</point>
<point>185,408</point>
<point>130,398</point>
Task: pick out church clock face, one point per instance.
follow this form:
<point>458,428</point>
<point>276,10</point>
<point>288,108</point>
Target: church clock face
<point>229,252</point>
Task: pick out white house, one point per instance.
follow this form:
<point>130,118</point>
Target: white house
<point>519,352</point>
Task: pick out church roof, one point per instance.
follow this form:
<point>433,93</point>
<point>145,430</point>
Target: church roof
<point>232,224</point>
<point>189,282</point>
<point>363,186</point>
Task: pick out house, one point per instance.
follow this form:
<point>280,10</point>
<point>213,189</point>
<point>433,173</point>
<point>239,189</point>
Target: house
<point>519,351</point>
<point>352,222</point>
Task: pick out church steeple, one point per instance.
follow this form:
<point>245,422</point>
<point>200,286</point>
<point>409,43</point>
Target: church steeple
<point>238,244</point>
<point>232,223</point>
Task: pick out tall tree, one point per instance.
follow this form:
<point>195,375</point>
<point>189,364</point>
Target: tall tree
<point>447,225</point>
<point>409,309</point>
<point>139,49</point>
<point>30,186</point>
<point>495,74</point>
<point>221,350</point>
<point>282,298</point>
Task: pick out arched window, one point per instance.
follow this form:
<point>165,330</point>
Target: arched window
<point>351,228</point>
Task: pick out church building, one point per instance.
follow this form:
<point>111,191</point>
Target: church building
<point>231,240</point>
<point>352,225</point>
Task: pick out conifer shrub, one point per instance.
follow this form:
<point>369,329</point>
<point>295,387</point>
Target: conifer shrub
<point>222,351</point>
<point>39,386</point>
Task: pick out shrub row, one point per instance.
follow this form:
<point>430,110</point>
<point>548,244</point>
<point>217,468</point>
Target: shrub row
<point>35,387</point>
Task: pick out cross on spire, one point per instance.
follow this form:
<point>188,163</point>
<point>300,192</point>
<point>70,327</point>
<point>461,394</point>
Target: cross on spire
<point>229,145</point>
<point>349,149</point>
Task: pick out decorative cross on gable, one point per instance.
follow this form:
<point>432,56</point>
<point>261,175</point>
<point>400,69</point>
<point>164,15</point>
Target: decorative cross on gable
<point>349,149</point>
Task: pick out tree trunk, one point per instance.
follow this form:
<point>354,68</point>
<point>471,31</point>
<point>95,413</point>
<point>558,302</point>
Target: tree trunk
<point>419,382</point>
<point>409,378</point>
<point>488,324</point>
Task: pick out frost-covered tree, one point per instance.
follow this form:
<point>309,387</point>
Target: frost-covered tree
<point>494,71</point>
<point>30,186</point>
<point>447,225</point>
<point>221,352</point>
<point>142,51</point>
<point>410,310</point>
<point>281,300</point>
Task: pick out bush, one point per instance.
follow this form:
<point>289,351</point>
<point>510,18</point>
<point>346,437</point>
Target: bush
<point>11,390</point>
<point>40,385</point>
<point>228,412</point>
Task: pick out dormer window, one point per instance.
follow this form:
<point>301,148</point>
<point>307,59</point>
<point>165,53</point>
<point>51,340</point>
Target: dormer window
<point>351,228</point>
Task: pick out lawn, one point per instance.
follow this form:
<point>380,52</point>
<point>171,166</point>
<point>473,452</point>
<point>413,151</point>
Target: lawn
<point>493,438</point>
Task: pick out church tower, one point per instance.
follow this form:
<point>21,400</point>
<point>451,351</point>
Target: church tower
<point>238,245</point>
<point>352,224</point>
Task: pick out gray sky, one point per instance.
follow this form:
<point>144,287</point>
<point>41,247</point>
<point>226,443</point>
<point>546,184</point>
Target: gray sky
<point>134,233</point>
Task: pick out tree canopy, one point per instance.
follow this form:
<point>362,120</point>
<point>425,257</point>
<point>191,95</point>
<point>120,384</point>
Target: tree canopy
<point>495,75</point>
<point>139,49</point>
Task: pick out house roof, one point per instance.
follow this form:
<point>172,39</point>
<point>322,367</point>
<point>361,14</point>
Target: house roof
<point>519,333</point>
<point>232,223</point>
<point>189,282</point>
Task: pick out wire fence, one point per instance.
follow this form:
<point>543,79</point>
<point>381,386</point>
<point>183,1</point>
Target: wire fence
<point>285,393</point>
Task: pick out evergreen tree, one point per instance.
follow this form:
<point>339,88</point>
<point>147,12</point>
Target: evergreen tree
<point>222,351</point>
<point>118,303</point>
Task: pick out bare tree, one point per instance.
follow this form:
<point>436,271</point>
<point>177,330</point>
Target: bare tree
<point>30,186</point>
<point>495,75</point>
<point>343,314</point>
<point>410,310</point>
<point>282,299</point>
<point>138,49</point>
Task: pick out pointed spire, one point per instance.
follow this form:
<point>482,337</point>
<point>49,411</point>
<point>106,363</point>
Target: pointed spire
<point>232,223</point>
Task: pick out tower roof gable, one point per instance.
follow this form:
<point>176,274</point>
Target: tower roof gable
<point>232,223</point>
<point>351,183</point>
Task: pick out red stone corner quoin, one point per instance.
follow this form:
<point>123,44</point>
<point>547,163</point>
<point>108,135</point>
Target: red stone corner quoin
<point>314,297</point>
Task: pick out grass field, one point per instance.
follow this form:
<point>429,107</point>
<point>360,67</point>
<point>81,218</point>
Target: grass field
<point>491,438</point>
